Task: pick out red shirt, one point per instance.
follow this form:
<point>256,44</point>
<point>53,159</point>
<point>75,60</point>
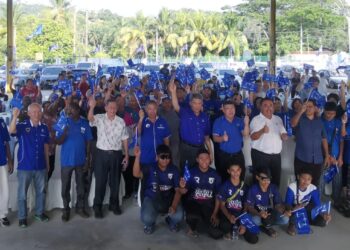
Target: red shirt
<point>32,92</point>
<point>84,86</point>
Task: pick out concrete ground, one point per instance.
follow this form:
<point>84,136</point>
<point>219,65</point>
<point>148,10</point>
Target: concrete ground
<point>126,232</point>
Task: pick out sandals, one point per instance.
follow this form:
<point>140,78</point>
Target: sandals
<point>193,234</point>
<point>269,231</point>
<point>291,230</point>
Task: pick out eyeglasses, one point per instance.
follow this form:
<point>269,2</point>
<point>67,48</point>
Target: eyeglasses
<point>164,157</point>
<point>264,178</point>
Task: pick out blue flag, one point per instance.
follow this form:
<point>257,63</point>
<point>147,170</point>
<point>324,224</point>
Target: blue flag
<point>271,94</point>
<point>16,101</point>
<point>135,81</point>
<point>323,208</point>
<point>287,124</point>
<point>302,222</point>
<point>348,109</point>
<point>205,75</point>
<point>130,63</point>
<point>267,77</point>
<point>247,221</point>
<point>251,63</point>
<point>320,99</point>
<point>330,173</point>
<point>247,103</point>
<point>187,174</point>
<point>139,96</point>
<point>60,125</point>
<point>37,32</point>
<point>118,71</point>
<point>133,142</point>
<point>308,66</point>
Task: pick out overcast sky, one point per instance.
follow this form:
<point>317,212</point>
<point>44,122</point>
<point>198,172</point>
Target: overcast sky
<point>149,7</point>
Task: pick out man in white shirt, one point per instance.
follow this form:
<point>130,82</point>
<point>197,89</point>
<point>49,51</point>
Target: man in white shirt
<point>267,133</point>
<point>111,137</point>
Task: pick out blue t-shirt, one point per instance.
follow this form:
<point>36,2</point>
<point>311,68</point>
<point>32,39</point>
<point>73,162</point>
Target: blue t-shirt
<point>31,140</point>
<point>152,135</point>
<point>164,182</point>
<point>193,129</point>
<point>203,186</point>
<point>263,201</point>
<point>233,130</point>
<point>333,130</point>
<point>73,150</point>
<point>295,196</point>
<point>233,196</point>
<point>4,138</point>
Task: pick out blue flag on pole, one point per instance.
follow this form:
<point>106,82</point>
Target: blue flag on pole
<point>133,142</point>
<point>302,222</point>
<point>61,123</point>
<point>16,101</point>
<point>271,94</point>
<point>308,66</point>
<point>37,32</point>
<point>251,62</point>
<point>135,81</point>
<point>205,75</point>
<point>130,63</point>
<point>187,174</point>
<point>330,173</point>
<point>247,221</point>
<point>119,70</point>
<point>323,208</point>
<point>287,124</point>
<point>247,103</point>
<point>320,99</point>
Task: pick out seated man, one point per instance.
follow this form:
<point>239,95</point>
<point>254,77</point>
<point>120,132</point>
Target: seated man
<point>160,195</point>
<point>201,187</point>
<point>304,194</point>
<point>232,197</point>
<point>265,204</point>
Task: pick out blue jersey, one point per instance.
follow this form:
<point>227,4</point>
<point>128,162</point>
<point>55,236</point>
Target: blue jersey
<point>152,135</point>
<point>333,132</point>
<point>4,138</point>
<point>31,140</point>
<point>263,201</point>
<point>295,196</point>
<point>233,196</point>
<point>162,182</point>
<point>73,150</point>
<point>203,186</point>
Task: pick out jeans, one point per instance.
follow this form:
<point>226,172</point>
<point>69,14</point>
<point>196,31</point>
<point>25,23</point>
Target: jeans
<point>149,212</point>
<point>25,177</point>
<point>277,219</point>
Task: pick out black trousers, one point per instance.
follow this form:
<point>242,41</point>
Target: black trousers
<point>196,212</point>
<point>270,161</point>
<point>188,153</point>
<point>226,227</point>
<point>131,183</point>
<point>225,160</point>
<point>66,177</point>
<point>315,169</point>
<point>107,167</point>
<point>51,166</point>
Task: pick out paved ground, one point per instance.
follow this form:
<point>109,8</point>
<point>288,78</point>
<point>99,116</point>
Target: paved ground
<point>125,232</point>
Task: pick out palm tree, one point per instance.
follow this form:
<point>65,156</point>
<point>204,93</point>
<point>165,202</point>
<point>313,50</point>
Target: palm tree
<point>60,10</point>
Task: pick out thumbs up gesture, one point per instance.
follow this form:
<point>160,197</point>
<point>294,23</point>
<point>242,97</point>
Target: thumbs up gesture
<point>225,137</point>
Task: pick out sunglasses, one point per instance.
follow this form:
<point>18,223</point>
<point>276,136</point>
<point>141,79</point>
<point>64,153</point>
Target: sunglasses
<point>164,157</point>
<point>263,178</point>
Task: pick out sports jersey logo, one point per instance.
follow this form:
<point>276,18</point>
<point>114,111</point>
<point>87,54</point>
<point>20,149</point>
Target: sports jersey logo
<point>170,176</point>
<point>42,130</point>
<point>196,178</point>
<point>211,180</point>
<point>148,125</point>
<point>160,126</point>
<point>241,192</point>
<point>258,196</point>
<point>82,130</point>
<point>27,130</point>
<point>230,191</point>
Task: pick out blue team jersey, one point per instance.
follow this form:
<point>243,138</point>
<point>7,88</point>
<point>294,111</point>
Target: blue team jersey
<point>31,142</point>
<point>152,135</point>
<point>295,196</point>
<point>233,196</point>
<point>203,186</point>
<point>4,138</point>
<point>263,201</point>
<point>333,132</point>
<point>73,150</point>
<point>160,181</point>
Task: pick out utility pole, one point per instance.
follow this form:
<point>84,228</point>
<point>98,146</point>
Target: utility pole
<point>74,35</point>
<point>273,37</point>
<point>86,35</point>
<point>10,44</point>
<point>301,38</point>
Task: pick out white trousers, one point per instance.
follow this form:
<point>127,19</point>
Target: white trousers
<point>4,191</point>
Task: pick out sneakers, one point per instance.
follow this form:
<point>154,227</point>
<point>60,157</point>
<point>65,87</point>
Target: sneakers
<point>172,227</point>
<point>42,217</point>
<point>4,222</point>
<point>22,223</point>
<point>65,215</point>
<point>148,229</point>
<point>82,212</point>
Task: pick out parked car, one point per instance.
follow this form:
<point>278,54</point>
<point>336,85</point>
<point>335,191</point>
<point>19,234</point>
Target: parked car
<point>49,76</point>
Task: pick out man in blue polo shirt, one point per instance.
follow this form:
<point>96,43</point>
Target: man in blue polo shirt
<point>33,160</point>
<point>75,155</point>
<point>228,131</point>
<point>6,168</point>
<point>194,127</point>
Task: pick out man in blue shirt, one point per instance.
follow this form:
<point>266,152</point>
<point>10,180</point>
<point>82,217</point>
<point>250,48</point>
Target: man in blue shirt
<point>194,127</point>
<point>6,168</point>
<point>75,156</point>
<point>161,185</point>
<point>201,189</point>
<point>228,132</point>
<point>311,141</point>
<point>265,204</point>
<point>33,160</point>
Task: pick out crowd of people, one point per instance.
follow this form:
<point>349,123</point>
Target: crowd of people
<point>168,135</point>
